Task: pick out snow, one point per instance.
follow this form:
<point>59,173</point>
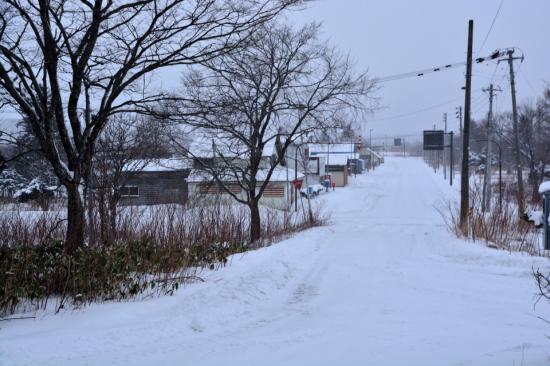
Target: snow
<point>335,158</point>
<point>384,284</point>
<point>158,165</point>
<point>536,217</point>
<point>280,174</point>
<point>544,187</point>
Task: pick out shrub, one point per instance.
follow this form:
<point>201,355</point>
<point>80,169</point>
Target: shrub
<point>500,228</point>
<point>153,251</point>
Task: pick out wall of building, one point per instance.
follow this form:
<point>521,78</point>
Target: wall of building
<point>278,195</point>
<point>157,188</point>
<point>339,174</point>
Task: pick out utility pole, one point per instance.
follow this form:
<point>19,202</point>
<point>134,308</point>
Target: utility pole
<point>459,117</point>
<point>486,203</point>
<point>520,197</point>
<point>451,172</point>
<point>444,147</point>
<point>464,178</point>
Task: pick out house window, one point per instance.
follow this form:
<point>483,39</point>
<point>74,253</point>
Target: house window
<point>129,191</point>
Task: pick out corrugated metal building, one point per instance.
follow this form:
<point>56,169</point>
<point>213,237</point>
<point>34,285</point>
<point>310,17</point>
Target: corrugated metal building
<point>161,181</point>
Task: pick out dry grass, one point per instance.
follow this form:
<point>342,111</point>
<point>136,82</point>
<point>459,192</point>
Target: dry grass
<point>500,228</point>
<point>153,251</point>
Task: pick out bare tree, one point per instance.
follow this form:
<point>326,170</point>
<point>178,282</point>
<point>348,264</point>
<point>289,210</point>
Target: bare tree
<point>128,143</point>
<point>280,85</point>
<point>68,66</point>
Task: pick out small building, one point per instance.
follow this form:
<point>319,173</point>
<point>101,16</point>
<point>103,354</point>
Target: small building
<point>159,181</point>
<point>338,169</point>
<point>279,193</point>
<point>338,159</point>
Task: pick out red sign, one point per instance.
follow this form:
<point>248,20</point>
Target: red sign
<point>297,183</point>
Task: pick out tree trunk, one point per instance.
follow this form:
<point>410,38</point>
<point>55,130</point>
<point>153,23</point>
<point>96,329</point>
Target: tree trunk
<point>255,221</point>
<point>75,219</point>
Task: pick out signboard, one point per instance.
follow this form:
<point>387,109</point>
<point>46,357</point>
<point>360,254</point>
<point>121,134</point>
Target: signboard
<point>396,142</point>
<point>434,140</point>
<point>313,165</point>
<point>297,183</point>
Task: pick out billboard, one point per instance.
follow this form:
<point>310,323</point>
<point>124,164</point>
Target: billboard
<point>396,142</point>
<point>434,140</point>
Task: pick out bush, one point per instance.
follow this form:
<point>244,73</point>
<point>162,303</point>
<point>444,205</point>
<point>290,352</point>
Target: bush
<point>153,252</point>
<point>501,228</point>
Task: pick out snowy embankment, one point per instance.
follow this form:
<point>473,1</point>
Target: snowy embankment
<point>385,284</point>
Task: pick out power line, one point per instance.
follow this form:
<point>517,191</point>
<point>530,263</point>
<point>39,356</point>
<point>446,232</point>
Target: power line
<point>527,80</point>
<point>491,27</point>
<point>417,111</point>
<point>419,73</point>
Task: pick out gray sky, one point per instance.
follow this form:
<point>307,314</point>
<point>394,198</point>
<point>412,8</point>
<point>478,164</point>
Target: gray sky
<point>395,36</point>
<point>389,37</point>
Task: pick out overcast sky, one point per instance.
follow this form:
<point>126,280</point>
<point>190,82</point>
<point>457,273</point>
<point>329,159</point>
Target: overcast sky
<point>390,37</point>
<point>395,36</point>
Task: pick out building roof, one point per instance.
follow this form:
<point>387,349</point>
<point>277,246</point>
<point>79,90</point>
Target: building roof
<point>334,154</point>
<point>157,165</point>
<point>280,174</point>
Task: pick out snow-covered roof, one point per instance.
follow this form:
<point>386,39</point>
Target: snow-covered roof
<point>158,165</point>
<point>338,159</point>
<point>280,174</point>
<point>334,154</point>
<point>334,158</point>
<point>343,147</point>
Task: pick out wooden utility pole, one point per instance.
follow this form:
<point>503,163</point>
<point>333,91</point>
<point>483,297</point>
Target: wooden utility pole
<point>451,171</point>
<point>445,147</point>
<point>486,203</point>
<point>520,195</point>
<point>459,116</point>
<point>464,178</point>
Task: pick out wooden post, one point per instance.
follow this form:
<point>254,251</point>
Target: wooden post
<point>464,178</point>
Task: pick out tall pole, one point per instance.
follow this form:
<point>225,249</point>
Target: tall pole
<point>459,116</point>
<point>295,179</point>
<point>489,157</point>
<point>444,148</point>
<point>451,162</point>
<point>464,178</point>
<point>486,203</point>
<point>520,196</point>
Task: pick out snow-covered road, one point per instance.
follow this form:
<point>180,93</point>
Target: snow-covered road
<point>385,284</point>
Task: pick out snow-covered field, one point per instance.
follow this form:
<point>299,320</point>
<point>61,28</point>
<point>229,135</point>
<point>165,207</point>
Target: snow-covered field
<point>385,284</point>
